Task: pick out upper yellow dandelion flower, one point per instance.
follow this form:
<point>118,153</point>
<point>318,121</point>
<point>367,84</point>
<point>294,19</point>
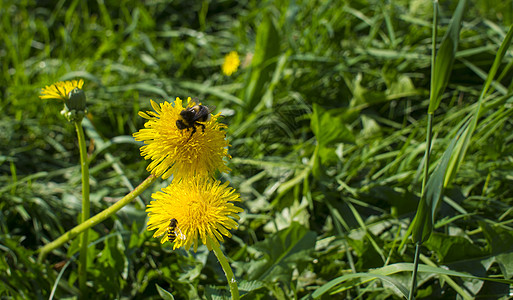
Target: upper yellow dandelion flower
<point>60,90</point>
<point>202,209</point>
<point>178,151</point>
<point>231,63</point>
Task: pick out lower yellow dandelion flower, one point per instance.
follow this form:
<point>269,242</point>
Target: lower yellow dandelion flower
<point>194,208</point>
<point>176,150</point>
<point>231,63</point>
<point>60,90</point>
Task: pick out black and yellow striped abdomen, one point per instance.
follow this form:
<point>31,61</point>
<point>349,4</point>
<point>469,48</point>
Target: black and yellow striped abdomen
<point>171,234</point>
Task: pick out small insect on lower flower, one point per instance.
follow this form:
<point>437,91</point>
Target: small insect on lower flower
<point>171,234</point>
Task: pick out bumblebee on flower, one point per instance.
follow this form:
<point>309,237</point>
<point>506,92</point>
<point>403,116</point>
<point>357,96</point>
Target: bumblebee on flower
<point>183,144</point>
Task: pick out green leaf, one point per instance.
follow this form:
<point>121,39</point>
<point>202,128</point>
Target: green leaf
<point>428,205</point>
<point>453,248</point>
<point>408,267</point>
<point>505,261</point>
<point>385,272</point>
<point>445,58</point>
<point>216,293</point>
<point>248,286</point>
<point>164,294</point>
<point>329,128</point>
<point>500,241</point>
<point>401,289</point>
<point>284,251</point>
<point>263,63</point>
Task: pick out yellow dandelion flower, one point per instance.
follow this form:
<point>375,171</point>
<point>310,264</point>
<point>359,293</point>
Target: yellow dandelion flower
<point>178,151</point>
<point>231,63</point>
<point>60,90</point>
<point>202,209</point>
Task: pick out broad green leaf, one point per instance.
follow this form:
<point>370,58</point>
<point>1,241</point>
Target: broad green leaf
<point>109,265</point>
<point>428,205</point>
<point>216,293</point>
<point>267,49</point>
<point>505,261</point>
<point>445,58</point>
<point>453,248</point>
<point>248,286</point>
<point>284,251</point>
<point>164,294</point>
<point>328,128</point>
<point>501,245</point>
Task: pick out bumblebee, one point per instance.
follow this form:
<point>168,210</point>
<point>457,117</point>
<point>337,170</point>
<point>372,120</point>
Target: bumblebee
<point>171,234</point>
<point>192,116</point>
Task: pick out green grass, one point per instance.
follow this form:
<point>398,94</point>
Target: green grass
<point>327,127</point>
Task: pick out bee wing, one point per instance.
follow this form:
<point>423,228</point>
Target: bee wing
<point>195,101</point>
<point>180,234</point>
<point>211,108</point>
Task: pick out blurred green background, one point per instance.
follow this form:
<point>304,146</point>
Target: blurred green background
<point>326,117</point>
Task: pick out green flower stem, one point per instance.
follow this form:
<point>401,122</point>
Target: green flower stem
<point>234,290</point>
<point>411,295</point>
<point>96,219</point>
<point>84,164</point>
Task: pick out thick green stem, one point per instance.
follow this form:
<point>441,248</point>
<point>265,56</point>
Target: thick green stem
<point>411,296</point>
<point>429,131</point>
<point>234,290</point>
<point>84,164</point>
<point>429,137</point>
<point>96,219</point>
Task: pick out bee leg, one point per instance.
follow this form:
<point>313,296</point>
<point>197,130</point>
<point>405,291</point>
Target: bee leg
<point>202,127</point>
<point>193,131</point>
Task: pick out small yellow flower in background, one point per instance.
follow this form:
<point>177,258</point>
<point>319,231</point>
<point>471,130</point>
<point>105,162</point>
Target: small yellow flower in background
<point>203,210</point>
<point>175,151</point>
<point>60,90</point>
<point>231,63</point>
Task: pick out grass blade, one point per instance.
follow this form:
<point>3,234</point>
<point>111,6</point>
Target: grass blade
<point>445,58</point>
<point>462,147</point>
<point>266,50</point>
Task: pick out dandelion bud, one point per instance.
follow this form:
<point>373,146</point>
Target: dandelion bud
<point>73,96</point>
<point>76,100</point>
